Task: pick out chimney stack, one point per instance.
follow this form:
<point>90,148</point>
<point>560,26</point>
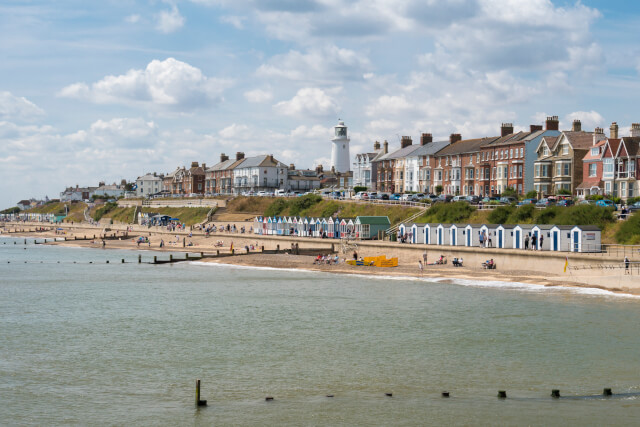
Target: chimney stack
<point>223,157</point>
<point>292,166</point>
<point>270,158</point>
<point>553,123</point>
<point>194,164</point>
<point>405,142</point>
<point>577,126</point>
<point>454,137</point>
<point>319,169</point>
<point>535,128</point>
<point>635,129</point>
<point>613,131</point>
<point>376,146</point>
<point>426,138</point>
<point>506,129</point>
<point>598,135</point>
<point>239,155</point>
<point>204,167</point>
<point>386,146</point>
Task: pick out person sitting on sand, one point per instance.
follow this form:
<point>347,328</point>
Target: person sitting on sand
<point>336,260</point>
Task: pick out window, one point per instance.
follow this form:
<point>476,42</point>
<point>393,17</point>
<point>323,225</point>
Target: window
<point>595,151</point>
<point>567,169</point>
<point>537,171</point>
<point>521,152</point>
<point>519,171</point>
<point>511,153</point>
<point>565,149</point>
<point>593,169</point>
<point>478,158</point>
<point>493,173</point>
<point>545,151</point>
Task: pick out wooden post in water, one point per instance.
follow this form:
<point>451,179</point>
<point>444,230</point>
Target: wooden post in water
<point>122,260</point>
<point>183,242</point>
<point>155,259</point>
<point>170,257</point>
<point>199,402</point>
<point>139,258</point>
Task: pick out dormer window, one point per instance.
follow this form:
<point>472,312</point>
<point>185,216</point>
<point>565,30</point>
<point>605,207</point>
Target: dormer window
<point>595,151</point>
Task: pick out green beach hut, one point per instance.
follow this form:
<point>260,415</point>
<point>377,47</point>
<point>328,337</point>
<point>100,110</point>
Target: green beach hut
<point>371,227</point>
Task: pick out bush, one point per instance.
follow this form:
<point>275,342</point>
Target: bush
<point>531,195</point>
<point>524,213</point>
<point>358,189</point>
<point>629,231</point>
<point>509,192</point>
<point>331,208</point>
<point>500,214</point>
<point>276,207</point>
<point>449,212</point>
<point>632,200</point>
<point>301,203</point>
<point>595,197</point>
<point>439,189</point>
<point>12,210</point>
<point>108,207</point>
<point>564,191</point>
<point>585,215</point>
<point>547,215</point>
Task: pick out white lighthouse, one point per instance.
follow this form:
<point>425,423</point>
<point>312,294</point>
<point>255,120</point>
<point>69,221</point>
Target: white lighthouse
<point>340,159</point>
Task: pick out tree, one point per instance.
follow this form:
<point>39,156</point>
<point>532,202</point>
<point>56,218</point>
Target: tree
<point>358,189</point>
<point>509,192</point>
<point>439,189</point>
<point>564,191</point>
<point>533,194</point>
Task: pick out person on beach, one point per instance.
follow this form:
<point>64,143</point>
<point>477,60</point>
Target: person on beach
<point>424,258</point>
<point>355,255</point>
<point>541,240</point>
<point>534,240</point>
<point>420,266</point>
<point>490,242</point>
<point>526,242</point>
<point>481,239</point>
<point>626,265</point>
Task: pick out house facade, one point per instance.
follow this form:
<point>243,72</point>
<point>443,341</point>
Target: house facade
<point>148,184</point>
<point>364,169</point>
<point>260,173</point>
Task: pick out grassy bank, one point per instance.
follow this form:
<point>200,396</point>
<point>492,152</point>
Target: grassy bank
<point>75,210</point>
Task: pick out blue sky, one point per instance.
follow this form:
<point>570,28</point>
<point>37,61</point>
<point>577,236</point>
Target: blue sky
<point>93,91</point>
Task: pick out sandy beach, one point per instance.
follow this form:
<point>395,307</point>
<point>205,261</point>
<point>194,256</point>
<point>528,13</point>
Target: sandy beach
<point>196,242</point>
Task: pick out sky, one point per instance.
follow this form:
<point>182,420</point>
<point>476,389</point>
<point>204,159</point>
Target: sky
<point>110,90</point>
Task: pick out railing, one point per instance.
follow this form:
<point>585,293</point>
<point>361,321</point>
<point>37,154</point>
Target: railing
<point>393,229</point>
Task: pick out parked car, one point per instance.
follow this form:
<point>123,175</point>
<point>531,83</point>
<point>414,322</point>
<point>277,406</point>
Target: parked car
<point>607,204</point>
<point>406,197</point>
<point>361,195</point>
<point>263,193</point>
<point>459,199</point>
<point>395,196</point>
<point>543,203</point>
<point>417,197</point>
<point>528,202</point>
<point>474,200</point>
<point>634,207</point>
<point>507,200</point>
<point>565,202</point>
<point>491,199</point>
<point>443,198</point>
<point>383,196</point>
<point>587,202</point>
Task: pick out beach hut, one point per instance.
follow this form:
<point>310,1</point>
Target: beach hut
<point>417,236</point>
<point>257,225</point>
<point>269,228</point>
<point>305,227</point>
<point>402,230</point>
<point>330,228</point>
<point>442,234</point>
<point>325,227</point>
<point>372,227</point>
<point>336,228</point>
<point>520,232</point>
<point>456,235</point>
<point>585,238</point>
<point>504,236</point>
<point>343,228</point>
<point>560,238</point>
<point>290,227</point>
<point>429,232</point>
<point>351,228</point>
<point>312,227</point>
<point>279,226</point>
<point>542,232</point>
<point>471,235</point>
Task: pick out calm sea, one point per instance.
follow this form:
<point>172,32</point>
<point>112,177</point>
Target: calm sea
<point>122,344</point>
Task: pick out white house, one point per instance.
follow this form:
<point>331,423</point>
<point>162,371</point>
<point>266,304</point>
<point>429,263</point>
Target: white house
<point>260,173</point>
<point>148,184</point>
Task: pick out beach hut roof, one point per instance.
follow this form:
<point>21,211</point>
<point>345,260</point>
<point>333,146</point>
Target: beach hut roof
<point>373,220</point>
<point>563,227</point>
<point>543,226</point>
<point>587,227</point>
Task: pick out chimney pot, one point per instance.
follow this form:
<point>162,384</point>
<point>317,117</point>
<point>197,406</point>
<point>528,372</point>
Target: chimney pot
<point>535,128</point>
<point>292,166</point>
<point>613,131</point>
<point>577,126</point>
<point>386,147</point>
<point>223,157</point>
<point>426,138</point>
<point>506,129</point>
<point>194,164</point>
<point>405,142</point>
<point>376,146</point>
<point>204,167</point>
<point>598,135</point>
<point>239,155</point>
<point>635,129</point>
<point>552,123</point>
<point>455,137</point>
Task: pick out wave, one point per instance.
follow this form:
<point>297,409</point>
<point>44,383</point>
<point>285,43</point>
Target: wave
<point>495,284</point>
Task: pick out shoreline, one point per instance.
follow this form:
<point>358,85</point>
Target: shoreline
<point>406,269</point>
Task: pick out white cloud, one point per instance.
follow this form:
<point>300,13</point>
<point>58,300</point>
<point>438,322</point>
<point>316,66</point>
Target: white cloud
<point>389,105</point>
<point>308,102</point>
<point>588,119</point>
<point>235,131</point>
<point>18,108</point>
<point>258,95</point>
<point>168,21</point>
<point>328,64</point>
<point>236,21</point>
<point>170,84</point>
<point>132,19</point>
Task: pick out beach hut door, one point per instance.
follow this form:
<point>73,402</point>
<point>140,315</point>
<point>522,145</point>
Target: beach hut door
<point>439,236</point>
<point>453,236</point>
<point>500,234</point>
<point>576,237</point>
<point>517,239</point>
<point>468,238</point>
<point>555,240</point>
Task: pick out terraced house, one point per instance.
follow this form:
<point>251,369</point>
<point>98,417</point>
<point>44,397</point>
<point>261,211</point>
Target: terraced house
<point>558,169</point>
<point>417,165</point>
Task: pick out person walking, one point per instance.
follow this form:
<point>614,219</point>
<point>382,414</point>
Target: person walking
<point>424,258</point>
<point>526,242</point>
<point>541,240</point>
<point>420,266</point>
<point>481,239</point>
<point>534,240</point>
<point>626,265</point>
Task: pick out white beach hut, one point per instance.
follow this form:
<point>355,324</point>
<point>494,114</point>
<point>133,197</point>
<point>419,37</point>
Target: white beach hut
<point>586,238</point>
<point>330,228</point>
<point>520,232</point>
<point>402,230</point>
<point>543,236</point>
<point>471,235</point>
<point>351,227</point>
<point>442,234</point>
<point>429,234</point>
<point>504,236</point>
<point>560,240</point>
<point>456,234</point>
<point>312,227</point>
<point>417,234</point>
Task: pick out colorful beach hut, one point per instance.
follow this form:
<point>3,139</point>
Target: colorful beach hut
<point>331,231</point>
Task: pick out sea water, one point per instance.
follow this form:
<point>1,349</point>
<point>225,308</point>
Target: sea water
<point>83,342</point>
